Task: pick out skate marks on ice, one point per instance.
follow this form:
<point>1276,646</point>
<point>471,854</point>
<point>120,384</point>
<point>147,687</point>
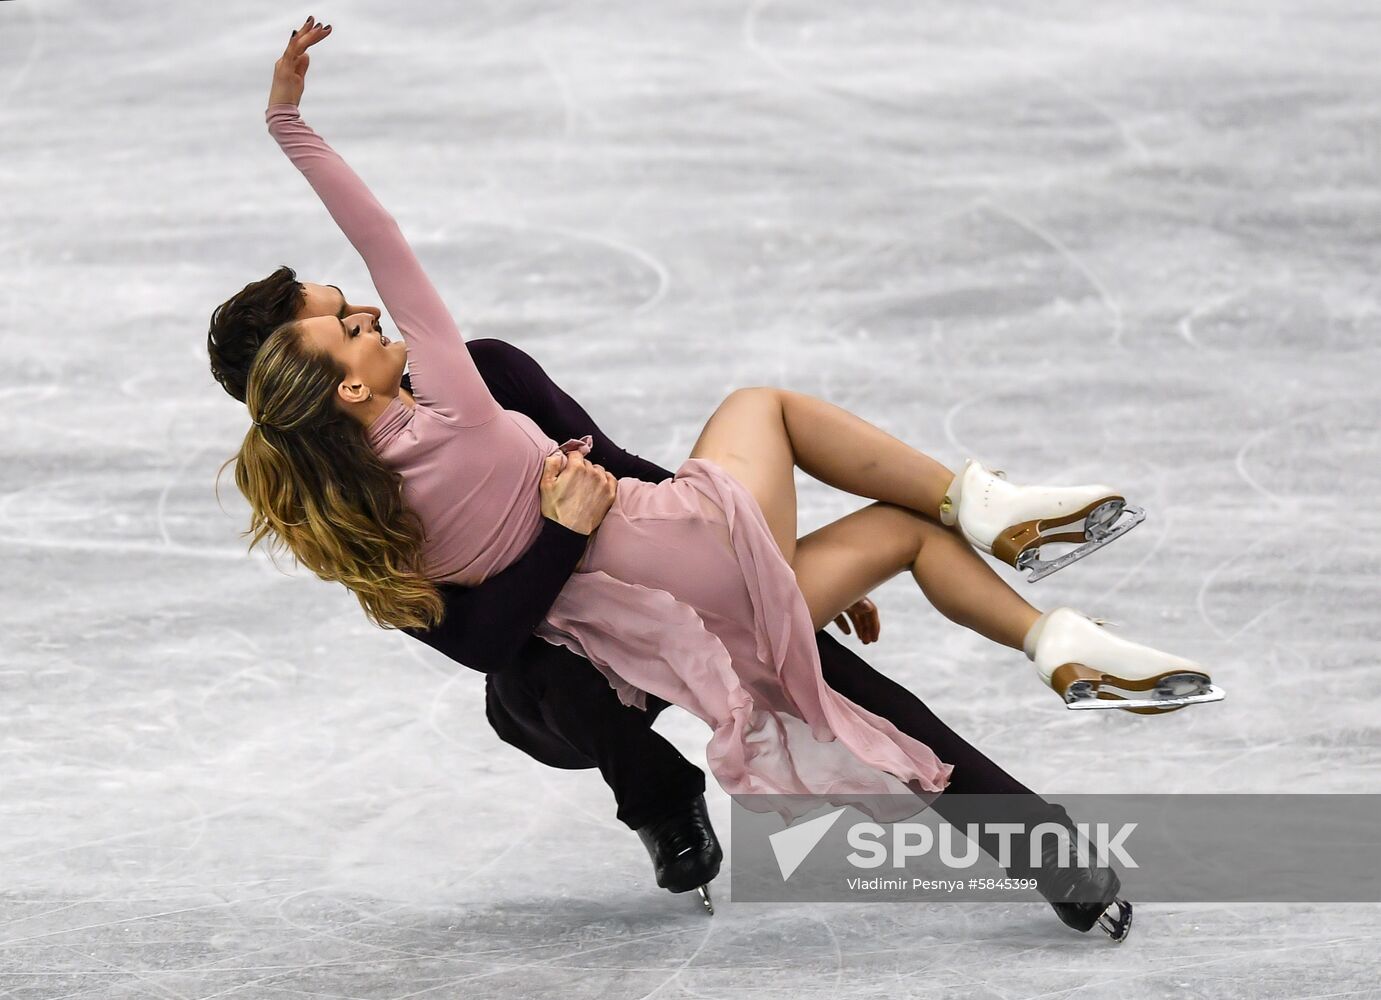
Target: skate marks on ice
<point>531,281</point>
<point>961,299</point>
<point>1273,318</point>
<point>1088,244</point>
<point>610,943</point>
<point>826,52</point>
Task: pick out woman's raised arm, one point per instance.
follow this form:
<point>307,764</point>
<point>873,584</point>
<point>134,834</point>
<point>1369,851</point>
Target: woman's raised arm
<point>443,375</point>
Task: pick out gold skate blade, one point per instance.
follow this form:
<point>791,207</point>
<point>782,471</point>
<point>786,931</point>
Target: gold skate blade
<point>1085,688</point>
<point>1153,705</point>
<point>1147,706</point>
<point>1012,542</point>
<point>1029,557</point>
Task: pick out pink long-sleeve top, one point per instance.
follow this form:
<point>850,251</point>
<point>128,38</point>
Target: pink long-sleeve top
<point>470,468</point>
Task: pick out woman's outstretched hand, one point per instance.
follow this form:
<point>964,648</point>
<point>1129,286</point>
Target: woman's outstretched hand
<point>290,71</point>
<point>864,614</point>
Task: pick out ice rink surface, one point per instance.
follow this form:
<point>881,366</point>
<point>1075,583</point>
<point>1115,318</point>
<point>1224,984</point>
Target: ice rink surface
<point>1133,244</point>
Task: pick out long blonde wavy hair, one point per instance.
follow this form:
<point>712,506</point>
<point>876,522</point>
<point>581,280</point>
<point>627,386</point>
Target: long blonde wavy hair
<point>316,487</point>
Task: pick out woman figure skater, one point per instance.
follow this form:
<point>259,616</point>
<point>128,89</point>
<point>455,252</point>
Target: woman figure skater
<point>693,589</point>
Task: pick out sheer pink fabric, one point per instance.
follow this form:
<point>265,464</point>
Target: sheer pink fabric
<point>683,593</point>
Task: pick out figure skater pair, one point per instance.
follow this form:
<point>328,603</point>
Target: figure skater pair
<point>694,591</point>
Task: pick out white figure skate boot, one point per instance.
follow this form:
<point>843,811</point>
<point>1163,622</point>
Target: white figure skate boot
<point>1091,669</point>
<point>1007,520</point>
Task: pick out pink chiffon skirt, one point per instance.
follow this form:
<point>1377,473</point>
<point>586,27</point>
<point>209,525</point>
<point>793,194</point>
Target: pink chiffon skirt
<point>684,594</point>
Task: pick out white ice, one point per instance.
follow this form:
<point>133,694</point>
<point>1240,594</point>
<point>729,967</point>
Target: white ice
<point>1082,242</point>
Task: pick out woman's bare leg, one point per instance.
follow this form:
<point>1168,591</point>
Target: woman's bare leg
<point>759,435</point>
<point>846,559</point>
<point>747,437</point>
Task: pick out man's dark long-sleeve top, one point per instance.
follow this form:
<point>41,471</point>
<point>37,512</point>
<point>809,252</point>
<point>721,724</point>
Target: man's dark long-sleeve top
<point>487,626</point>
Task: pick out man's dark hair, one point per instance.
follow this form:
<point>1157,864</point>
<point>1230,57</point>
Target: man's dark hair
<point>245,320</point>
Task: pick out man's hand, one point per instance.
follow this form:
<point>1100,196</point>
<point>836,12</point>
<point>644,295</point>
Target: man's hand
<point>580,495</point>
<point>290,71</point>
<point>864,614</point>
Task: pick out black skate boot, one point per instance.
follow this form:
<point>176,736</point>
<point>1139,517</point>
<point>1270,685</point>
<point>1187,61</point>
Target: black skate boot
<point>684,850</point>
<point>1080,897</point>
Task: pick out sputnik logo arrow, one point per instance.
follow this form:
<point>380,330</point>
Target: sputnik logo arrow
<point>792,845</point>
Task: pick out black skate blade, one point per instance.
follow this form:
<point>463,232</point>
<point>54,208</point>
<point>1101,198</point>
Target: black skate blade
<point>1041,568</point>
<point>1090,703</point>
<point>704,891</point>
<point>1120,926</point>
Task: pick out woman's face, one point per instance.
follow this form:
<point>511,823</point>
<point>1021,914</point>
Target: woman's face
<point>352,335</point>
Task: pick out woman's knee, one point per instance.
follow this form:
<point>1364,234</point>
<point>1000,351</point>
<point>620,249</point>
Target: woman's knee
<point>842,561</point>
<point>928,529</point>
<point>753,395</point>
<point>747,421</point>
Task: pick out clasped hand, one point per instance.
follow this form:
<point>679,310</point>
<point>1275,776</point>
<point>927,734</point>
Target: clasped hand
<point>579,495</point>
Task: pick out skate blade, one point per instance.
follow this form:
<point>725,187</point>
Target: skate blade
<point>1120,926</point>
<point>704,891</point>
<point>1084,700</point>
<point>1104,524</point>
